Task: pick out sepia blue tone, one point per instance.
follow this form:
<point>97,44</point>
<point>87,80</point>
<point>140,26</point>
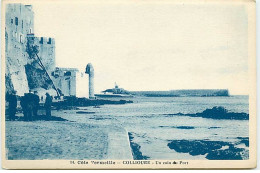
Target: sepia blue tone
<point>45,119</point>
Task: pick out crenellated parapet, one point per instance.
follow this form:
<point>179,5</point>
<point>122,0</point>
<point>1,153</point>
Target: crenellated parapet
<point>46,50</point>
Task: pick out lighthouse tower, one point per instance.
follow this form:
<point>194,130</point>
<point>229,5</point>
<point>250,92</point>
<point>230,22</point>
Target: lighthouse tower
<point>90,72</point>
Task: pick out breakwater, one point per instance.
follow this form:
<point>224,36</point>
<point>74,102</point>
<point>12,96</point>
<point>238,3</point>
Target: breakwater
<point>183,93</point>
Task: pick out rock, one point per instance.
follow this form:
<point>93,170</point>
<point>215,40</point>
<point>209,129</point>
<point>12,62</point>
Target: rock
<point>213,149</point>
<point>137,154</point>
<point>217,113</point>
<point>185,127</point>
<point>244,140</point>
<point>214,127</point>
<point>84,112</point>
<point>228,154</point>
<point>100,118</point>
<point>195,147</point>
<point>179,127</point>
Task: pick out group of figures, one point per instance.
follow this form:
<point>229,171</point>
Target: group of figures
<point>30,104</point>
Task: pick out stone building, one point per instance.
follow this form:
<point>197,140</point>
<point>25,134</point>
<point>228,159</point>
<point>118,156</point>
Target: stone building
<point>23,71</point>
<point>65,80</point>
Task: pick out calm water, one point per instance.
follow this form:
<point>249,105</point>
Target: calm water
<point>153,130</point>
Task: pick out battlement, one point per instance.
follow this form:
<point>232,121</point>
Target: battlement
<point>61,72</point>
<point>46,40</point>
<point>41,40</point>
<point>13,7</point>
<point>67,69</point>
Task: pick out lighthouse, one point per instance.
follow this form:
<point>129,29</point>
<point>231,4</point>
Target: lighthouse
<point>90,72</point>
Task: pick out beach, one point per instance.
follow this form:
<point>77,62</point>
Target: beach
<point>38,140</point>
<point>141,130</point>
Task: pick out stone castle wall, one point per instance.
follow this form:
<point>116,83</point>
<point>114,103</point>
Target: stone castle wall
<point>19,22</point>
<point>22,71</point>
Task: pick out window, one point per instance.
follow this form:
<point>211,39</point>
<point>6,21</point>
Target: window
<point>30,31</point>
<point>68,73</point>
<point>49,42</point>
<point>16,21</point>
<point>21,38</point>
<point>12,21</point>
<point>22,23</point>
<point>41,40</point>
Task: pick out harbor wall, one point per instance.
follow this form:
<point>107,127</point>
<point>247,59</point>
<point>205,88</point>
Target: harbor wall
<point>183,93</point>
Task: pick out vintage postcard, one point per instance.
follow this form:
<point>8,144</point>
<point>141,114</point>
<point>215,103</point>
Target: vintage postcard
<point>123,84</point>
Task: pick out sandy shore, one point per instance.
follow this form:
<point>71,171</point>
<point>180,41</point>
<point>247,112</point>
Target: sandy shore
<point>39,140</point>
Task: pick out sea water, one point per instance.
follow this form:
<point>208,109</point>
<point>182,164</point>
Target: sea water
<point>152,128</point>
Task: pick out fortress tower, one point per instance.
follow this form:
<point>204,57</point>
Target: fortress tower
<point>23,72</point>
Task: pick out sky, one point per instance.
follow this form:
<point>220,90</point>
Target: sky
<point>148,47</point>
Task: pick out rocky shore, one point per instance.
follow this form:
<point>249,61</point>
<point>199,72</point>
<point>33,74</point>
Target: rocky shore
<point>96,133</point>
<point>137,154</point>
<point>214,150</point>
<point>69,102</point>
<point>217,113</point>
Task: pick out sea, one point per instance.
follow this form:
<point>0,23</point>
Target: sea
<point>148,120</point>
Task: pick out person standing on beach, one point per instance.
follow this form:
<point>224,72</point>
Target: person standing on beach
<point>47,105</point>
<point>23,104</point>
<point>12,100</point>
<point>30,105</point>
<point>36,103</point>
